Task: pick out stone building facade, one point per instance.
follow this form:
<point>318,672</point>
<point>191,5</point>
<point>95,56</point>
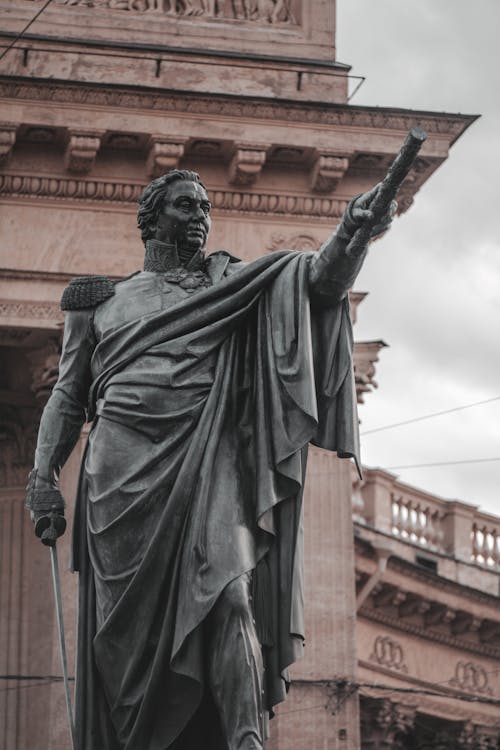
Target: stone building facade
<point>96,98</point>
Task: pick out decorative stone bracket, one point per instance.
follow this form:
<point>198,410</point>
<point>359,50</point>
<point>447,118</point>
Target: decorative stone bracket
<point>164,154</point>
<point>365,357</point>
<point>247,163</point>
<point>7,140</point>
<point>328,169</point>
<point>81,150</point>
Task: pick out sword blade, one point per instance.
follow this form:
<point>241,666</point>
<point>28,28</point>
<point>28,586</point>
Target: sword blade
<point>62,640</point>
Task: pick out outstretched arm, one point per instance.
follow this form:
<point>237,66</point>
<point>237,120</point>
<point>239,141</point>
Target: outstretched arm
<point>334,268</point>
<point>60,425</point>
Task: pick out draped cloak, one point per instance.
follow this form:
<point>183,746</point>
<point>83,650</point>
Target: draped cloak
<point>192,478</point>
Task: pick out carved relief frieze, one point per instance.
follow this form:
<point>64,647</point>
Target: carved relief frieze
<point>7,140</point>
<point>280,241</point>
<point>10,308</point>
<point>164,155</point>
<point>328,170</point>
<point>81,150</point>
<point>385,616</point>
<point>250,11</point>
<point>471,677</point>
<point>449,125</point>
<point>40,187</point>
<point>388,653</point>
<point>246,164</point>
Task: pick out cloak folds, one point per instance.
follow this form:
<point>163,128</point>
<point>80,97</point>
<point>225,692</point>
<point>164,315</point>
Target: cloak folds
<point>193,477</point>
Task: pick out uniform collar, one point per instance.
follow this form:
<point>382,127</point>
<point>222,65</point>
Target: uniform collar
<point>160,257</point>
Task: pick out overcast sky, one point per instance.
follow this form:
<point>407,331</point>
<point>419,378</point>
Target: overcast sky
<point>434,279</point>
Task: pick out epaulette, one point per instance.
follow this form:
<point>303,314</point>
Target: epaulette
<point>87,291</point>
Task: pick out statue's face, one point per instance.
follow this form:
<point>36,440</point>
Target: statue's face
<point>185,218</point>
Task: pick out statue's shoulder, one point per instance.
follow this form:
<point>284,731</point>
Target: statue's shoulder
<point>85,292</point>
<point>224,254</point>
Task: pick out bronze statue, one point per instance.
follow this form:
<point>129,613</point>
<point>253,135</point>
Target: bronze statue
<point>205,379</point>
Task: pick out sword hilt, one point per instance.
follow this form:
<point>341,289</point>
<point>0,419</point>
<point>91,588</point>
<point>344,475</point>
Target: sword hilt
<point>49,527</point>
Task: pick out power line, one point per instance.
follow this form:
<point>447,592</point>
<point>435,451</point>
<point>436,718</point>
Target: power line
<point>21,33</point>
<point>445,463</point>
<point>429,416</point>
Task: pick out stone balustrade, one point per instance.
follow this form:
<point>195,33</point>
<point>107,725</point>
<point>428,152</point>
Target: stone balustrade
<point>448,527</point>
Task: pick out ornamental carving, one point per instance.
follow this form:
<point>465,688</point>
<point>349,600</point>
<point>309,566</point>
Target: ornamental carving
<point>388,653</point>
<point>81,151</point>
<point>471,677</point>
<point>7,140</point>
<point>280,241</point>
<point>246,164</point>
<point>10,308</point>
<point>327,172</point>
<point>448,125</point>
<point>164,155</point>
<point>260,11</point>
<point>473,737</point>
<point>385,724</point>
<point>32,186</point>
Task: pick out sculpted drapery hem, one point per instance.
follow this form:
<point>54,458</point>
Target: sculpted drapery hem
<point>204,484</point>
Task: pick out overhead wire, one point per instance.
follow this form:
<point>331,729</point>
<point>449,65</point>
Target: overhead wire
<point>444,463</point>
<point>25,29</point>
<point>429,416</point>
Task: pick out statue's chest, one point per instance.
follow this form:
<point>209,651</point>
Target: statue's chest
<point>146,294</point>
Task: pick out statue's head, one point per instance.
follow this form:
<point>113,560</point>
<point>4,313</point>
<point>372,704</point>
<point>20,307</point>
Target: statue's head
<point>175,209</point>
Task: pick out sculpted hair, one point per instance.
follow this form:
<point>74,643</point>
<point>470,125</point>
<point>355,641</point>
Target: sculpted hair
<point>152,199</point>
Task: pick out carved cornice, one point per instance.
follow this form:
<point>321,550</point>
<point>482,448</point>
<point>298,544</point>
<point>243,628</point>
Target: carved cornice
<point>164,154</point>
<point>449,126</point>
<point>302,241</point>
<point>45,187</point>
<point>426,703</point>
<point>10,308</point>
<point>81,150</point>
<point>427,634</point>
<point>409,569</point>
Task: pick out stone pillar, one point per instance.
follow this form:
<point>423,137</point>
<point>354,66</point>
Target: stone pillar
<point>457,525</point>
<point>377,493</point>
<point>320,712</point>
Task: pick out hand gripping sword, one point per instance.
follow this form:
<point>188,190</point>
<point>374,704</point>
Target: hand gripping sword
<point>49,538</point>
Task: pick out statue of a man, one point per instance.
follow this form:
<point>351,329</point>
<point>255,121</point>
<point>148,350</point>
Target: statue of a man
<point>205,378</point>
